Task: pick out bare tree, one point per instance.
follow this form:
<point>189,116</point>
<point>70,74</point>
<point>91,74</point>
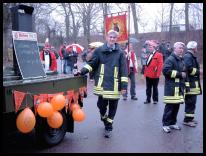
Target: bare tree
<point>67,22</point>
<point>133,7</point>
<point>171,11</point>
<point>187,16</point>
<point>75,25</point>
<point>88,13</point>
<point>196,15</point>
<point>105,12</point>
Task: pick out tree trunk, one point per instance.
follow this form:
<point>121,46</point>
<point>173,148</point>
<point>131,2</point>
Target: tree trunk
<point>74,34</point>
<point>67,27</point>
<point>187,20</point>
<point>186,16</point>
<point>104,6</point>
<point>170,28</point>
<point>136,30</point>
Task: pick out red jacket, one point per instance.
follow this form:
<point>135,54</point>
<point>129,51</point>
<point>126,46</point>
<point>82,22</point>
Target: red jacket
<point>154,68</point>
<point>53,62</point>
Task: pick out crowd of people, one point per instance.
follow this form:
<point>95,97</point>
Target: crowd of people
<point>111,67</point>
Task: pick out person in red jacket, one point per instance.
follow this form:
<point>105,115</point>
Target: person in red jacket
<point>153,69</point>
<point>132,70</point>
<point>48,59</point>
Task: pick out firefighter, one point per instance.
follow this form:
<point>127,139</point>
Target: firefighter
<point>193,71</point>
<point>175,75</point>
<point>110,74</point>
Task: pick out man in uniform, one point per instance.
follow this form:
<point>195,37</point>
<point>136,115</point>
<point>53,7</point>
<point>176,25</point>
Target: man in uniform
<point>110,73</point>
<point>193,71</point>
<point>174,72</point>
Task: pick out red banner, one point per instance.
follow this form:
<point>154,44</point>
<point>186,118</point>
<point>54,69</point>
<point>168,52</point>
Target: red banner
<point>70,94</point>
<point>18,98</point>
<point>119,24</point>
<point>39,99</point>
<point>76,97</point>
<point>50,96</point>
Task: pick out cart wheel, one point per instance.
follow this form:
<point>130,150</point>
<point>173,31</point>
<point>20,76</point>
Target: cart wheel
<point>48,136</point>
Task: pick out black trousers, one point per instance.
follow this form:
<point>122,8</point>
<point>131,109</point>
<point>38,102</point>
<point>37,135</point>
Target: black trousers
<point>170,114</point>
<point>190,105</point>
<point>102,104</point>
<point>91,75</point>
<point>152,83</point>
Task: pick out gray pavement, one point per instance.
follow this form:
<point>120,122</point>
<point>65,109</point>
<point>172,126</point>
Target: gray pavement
<point>137,129</point>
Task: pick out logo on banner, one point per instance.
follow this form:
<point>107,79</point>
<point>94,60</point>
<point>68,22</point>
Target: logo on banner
<point>119,24</point>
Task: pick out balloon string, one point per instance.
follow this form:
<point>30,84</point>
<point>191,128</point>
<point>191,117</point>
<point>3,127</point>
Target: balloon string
<point>26,99</point>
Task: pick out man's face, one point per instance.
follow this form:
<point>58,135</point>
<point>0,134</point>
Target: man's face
<point>179,50</point>
<point>195,50</point>
<point>150,47</point>
<point>130,46</point>
<point>111,39</point>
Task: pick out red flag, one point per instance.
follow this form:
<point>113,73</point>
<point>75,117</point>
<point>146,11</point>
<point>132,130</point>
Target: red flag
<point>81,92</point>
<point>39,99</point>
<point>36,103</point>
<point>43,97</point>
<point>18,98</point>
<point>119,24</point>
<point>70,94</point>
<point>50,96</point>
<point>75,97</point>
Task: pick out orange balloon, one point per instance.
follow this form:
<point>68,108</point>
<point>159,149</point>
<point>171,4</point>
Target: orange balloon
<point>74,106</point>
<point>78,115</point>
<point>56,120</point>
<point>58,102</point>
<point>45,109</point>
<point>26,121</point>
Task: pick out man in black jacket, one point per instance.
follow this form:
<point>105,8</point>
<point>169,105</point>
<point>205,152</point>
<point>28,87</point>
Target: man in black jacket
<point>193,70</point>
<point>110,74</point>
<point>175,75</point>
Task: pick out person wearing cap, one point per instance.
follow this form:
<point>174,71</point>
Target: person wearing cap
<point>55,52</point>
<point>152,72</point>
<point>144,55</point>
<point>110,69</point>
<point>88,58</point>
<point>193,71</point>
<point>48,58</point>
<point>70,60</point>
<point>132,67</point>
<point>175,76</point>
<point>61,51</point>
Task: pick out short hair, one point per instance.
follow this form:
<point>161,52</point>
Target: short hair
<point>191,45</point>
<point>115,33</point>
<point>152,43</point>
<point>178,44</point>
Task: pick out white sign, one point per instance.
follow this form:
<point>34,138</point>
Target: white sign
<point>20,35</point>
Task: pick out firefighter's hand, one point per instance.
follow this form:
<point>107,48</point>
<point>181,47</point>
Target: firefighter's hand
<point>123,92</point>
<point>183,74</point>
<point>77,73</point>
<point>187,89</point>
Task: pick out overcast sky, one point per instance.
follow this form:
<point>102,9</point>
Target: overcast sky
<point>150,12</point>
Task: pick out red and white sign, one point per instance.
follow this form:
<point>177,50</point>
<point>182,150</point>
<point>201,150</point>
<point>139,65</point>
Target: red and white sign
<point>21,35</point>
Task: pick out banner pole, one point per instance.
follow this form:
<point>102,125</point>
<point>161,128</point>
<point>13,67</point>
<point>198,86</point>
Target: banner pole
<point>128,25</point>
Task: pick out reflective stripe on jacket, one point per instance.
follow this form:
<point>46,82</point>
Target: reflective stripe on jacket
<point>110,71</point>
<point>174,83</point>
<point>193,70</point>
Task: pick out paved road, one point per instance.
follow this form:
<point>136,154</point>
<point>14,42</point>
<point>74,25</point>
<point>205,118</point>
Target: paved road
<point>137,129</point>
